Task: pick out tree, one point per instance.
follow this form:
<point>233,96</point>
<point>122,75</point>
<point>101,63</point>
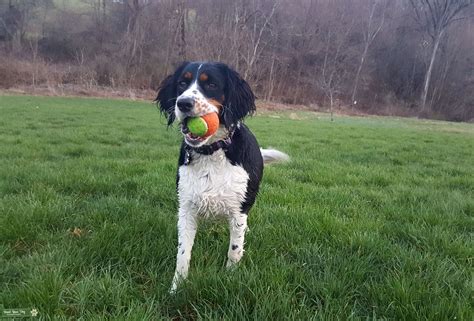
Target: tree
<point>333,69</point>
<point>370,33</point>
<point>434,17</point>
<point>255,38</point>
<point>307,52</point>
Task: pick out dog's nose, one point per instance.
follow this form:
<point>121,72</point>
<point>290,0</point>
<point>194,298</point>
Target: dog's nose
<point>185,104</point>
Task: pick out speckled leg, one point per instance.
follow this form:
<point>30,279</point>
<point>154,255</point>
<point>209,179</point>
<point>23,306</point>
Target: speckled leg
<point>187,226</point>
<point>238,226</point>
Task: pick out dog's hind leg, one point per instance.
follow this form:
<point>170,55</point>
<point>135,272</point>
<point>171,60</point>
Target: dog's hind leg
<point>187,226</point>
<point>238,226</point>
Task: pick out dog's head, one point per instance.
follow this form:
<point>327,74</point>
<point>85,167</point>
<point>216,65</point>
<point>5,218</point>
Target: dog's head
<point>196,89</point>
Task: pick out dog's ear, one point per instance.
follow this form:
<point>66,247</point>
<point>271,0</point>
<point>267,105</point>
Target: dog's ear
<point>239,99</point>
<point>167,93</point>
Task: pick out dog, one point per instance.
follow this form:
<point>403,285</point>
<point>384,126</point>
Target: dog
<point>217,175</point>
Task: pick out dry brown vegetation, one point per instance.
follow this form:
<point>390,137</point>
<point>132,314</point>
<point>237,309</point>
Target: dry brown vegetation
<point>405,57</point>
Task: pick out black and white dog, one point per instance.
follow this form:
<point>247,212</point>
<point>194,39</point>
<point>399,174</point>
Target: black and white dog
<point>220,174</point>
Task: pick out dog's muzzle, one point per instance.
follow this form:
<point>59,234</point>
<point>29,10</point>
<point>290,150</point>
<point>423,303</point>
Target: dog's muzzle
<point>185,104</point>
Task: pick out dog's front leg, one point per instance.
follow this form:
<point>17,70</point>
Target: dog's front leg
<point>187,226</point>
<point>237,226</point>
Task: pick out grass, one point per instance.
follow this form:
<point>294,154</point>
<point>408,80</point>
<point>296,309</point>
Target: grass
<point>372,218</point>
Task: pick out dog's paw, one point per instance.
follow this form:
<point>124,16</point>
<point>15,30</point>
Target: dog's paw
<point>177,281</point>
<point>173,289</point>
<point>231,266</point>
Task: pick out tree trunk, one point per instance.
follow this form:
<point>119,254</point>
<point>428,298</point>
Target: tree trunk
<point>296,92</point>
<point>356,81</point>
<point>182,43</point>
<point>271,80</point>
<point>426,86</point>
<point>331,99</point>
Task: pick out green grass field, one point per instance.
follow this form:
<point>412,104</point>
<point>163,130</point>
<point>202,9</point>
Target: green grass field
<point>372,218</point>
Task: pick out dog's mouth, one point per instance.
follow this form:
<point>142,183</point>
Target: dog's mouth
<point>190,137</point>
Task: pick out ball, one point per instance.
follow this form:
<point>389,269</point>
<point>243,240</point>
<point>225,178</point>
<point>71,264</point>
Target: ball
<point>197,126</point>
<point>204,126</point>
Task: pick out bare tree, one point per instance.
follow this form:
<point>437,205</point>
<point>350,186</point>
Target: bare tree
<point>315,52</point>
<point>305,36</point>
<point>99,9</point>
<point>182,12</point>
<point>434,17</point>
<point>134,38</point>
<point>333,70</point>
<point>34,55</point>
<point>256,40</point>
<point>370,33</point>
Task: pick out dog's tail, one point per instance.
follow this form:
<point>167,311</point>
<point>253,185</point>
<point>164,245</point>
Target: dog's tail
<point>273,156</point>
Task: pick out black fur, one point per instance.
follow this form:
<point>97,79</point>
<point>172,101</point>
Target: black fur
<point>237,100</point>
<point>219,163</point>
<point>243,151</point>
<point>168,92</point>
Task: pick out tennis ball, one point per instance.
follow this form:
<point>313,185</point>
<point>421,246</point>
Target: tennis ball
<point>197,126</point>
<point>204,126</point>
<point>212,121</point>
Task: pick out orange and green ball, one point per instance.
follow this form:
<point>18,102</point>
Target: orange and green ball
<point>203,126</point>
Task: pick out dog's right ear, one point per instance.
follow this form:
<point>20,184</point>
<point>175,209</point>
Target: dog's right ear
<point>167,93</point>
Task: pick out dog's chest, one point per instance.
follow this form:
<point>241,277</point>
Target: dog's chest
<point>211,185</point>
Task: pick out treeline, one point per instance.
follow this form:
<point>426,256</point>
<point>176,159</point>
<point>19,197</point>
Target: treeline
<point>408,57</point>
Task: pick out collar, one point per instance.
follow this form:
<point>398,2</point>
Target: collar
<point>208,149</point>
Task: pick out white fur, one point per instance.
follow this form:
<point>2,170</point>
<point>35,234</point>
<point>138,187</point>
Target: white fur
<point>205,107</point>
<point>238,226</point>
<point>273,155</point>
<point>209,186</point>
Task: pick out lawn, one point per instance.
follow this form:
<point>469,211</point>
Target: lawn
<point>371,219</point>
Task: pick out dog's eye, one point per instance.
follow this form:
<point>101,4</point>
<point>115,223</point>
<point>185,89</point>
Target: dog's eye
<point>182,83</point>
<point>211,86</point>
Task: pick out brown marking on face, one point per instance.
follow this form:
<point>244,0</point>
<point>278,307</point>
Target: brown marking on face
<point>200,107</point>
<point>215,103</point>
<point>188,75</point>
<point>204,106</point>
<point>203,77</point>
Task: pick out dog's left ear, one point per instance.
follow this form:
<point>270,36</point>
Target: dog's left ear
<point>239,99</point>
<point>167,93</point>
